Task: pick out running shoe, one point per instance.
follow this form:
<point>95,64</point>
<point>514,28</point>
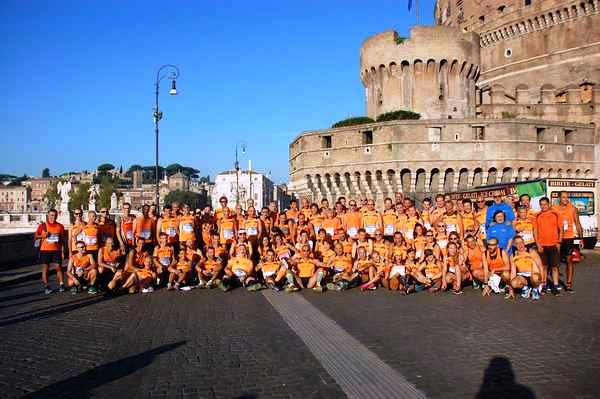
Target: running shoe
<point>74,290</point>
<point>290,288</point>
<point>186,288</point>
<point>170,286</point>
<point>525,292</point>
<point>476,285</point>
<point>365,286</point>
<point>147,290</point>
<point>535,294</point>
<point>223,287</point>
<point>318,288</point>
<point>48,290</point>
<point>254,287</point>
<point>331,286</point>
<point>556,292</point>
<point>61,288</point>
<point>202,284</point>
<point>457,292</point>
<point>569,290</point>
<point>92,290</point>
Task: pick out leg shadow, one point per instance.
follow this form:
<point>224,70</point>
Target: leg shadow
<point>81,386</point>
<point>499,382</point>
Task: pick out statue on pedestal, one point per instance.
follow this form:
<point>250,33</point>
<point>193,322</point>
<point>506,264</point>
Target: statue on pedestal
<point>92,198</point>
<point>114,204</point>
<point>64,188</point>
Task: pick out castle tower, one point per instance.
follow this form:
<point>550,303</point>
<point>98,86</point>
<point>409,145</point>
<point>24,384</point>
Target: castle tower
<point>433,72</point>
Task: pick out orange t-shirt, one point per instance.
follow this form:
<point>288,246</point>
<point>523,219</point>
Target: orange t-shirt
<point>54,234</point>
<point>548,224</point>
<point>568,214</point>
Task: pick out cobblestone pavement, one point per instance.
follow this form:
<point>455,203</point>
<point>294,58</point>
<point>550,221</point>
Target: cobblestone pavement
<point>211,344</point>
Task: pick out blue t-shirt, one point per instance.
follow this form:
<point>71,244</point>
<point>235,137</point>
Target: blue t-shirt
<point>503,233</point>
<point>509,215</point>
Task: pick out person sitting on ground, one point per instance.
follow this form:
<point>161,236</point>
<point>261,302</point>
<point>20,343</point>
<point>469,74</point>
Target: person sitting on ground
<point>180,272</point>
<point>432,269</point>
<point>81,271</point>
<point>110,259</point>
<point>239,271</point>
<point>452,269</point>
<point>272,270</point>
<point>209,270</point>
<point>525,270</point>
<point>341,267</point>
<point>496,266</point>
<point>308,271</point>
<point>164,257</point>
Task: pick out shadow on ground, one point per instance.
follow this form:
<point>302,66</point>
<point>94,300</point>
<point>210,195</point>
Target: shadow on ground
<point>82,385</point>
<point>499,382</point>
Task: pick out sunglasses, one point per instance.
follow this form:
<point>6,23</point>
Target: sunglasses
<point>77,213</point>
<point>80,247</point>
<point>429,235</point>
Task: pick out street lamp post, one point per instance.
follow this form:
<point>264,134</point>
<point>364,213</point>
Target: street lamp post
<point>242,147</point>
<point>171,72</point>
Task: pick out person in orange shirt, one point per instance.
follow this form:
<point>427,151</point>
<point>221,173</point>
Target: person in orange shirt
<point>144,227</point>
<point>164,256</point>
<point>179,272</point>
<point>292,212</point>
<point>76,229</point>
<point>475,260</point>
<point>227,228</point>
<point>304,227</point>
<point>109,260</point>
<point>51,235</point>
<point>452,269</point>
<point>548,233</point>
<point>220,211</point>
<point>287,227</point>
<point>525,200</point>
<point>440,209</point>
<point>352,220</point>
<point>305,209</point>
<point>187,225</point>
<point>106,227</point>
<point>240,271</point>
<point>306,270</point>
<point>169,225</point>
<point>469,219</point>
<point>524,226</point>
<point>252,225</point>
<point>316,218</point>
<point>481,215</point>
<point>526,268</point>
<point>452,219</point>
<point>371,219</point>
<point>90,235</point>
<point>571,227</point>
<point>209,269</point>
<point>125,228</point>
<point>273,270</point>
<point>496,267</point>
<point>81,270</point>
<point>389,218</point>
<point>426,213</point>
<point>331,224</point>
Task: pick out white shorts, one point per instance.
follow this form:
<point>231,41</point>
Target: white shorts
<point>524,274</point>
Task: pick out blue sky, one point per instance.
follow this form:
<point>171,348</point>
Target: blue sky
<point>77,78</point>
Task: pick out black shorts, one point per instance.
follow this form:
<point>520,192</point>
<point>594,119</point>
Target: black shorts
<point>48,257</point>
<point>550,256</point>
<point>566,247</point>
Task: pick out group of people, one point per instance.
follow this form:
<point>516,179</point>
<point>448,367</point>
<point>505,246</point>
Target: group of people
<point>445,244</point>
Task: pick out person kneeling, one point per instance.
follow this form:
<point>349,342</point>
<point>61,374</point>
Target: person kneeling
<point>497,267</point>
<point>454,263</point>
<point>81,271</point>
<point>306,271</point>
<point>209,270</point>
<point>180,273</point>
<point>525,271</point>
<point>240,271</point>
<point>273,270</point>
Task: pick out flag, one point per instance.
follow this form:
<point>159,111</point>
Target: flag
<point>409,4</point>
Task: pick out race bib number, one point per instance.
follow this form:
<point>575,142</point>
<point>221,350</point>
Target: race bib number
<point>228,234</point>
<point>240,273</point>
<point>388,230</point>
<point>284,255</point>
<point>370,229</point>
<point>172,231</point>
<point>317,228</point>
<point>188,228</point>
<point>330,231</point>
<point>427,225</point>
<point>451,270</point>
<point>352,232</point>
<point>527,236</point>
<point>268,273</point>
<point>409,234</point>
<point>79,271</point>
<point>451,227</point>
<point>565,225</point>
<point>90,240</point>
<point>252,231</point>
<point>165,261</point>
<point>419,253</point>
<point>339,268</point>
<point>129,235</point>
<point>443,243</point>
<point>145,234</point>
<point>398,270</point>
<point>80,236</point>
<point>52,238</point>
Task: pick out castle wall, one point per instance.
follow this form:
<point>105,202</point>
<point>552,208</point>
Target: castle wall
<point>435,156</point>
<point>433,72</point>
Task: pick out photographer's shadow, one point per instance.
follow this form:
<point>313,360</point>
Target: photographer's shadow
<point>499,382</point>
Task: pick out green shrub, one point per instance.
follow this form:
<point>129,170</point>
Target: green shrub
<point>357,120</point>
<point>508,115</point>
<point>400,39</point>
<point>398,115</point>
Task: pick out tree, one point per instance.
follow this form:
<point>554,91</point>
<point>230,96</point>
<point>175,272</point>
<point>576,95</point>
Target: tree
<point>205,179</point>
<point>52,197</point>
<point>133,168</point>
<point>79,197</point>
<point>105,168</point>
<point>194,200</point>
<point>46,172</point>
<point>173,168</point>
<point>398,115</point>
<point>106,189</point>
<point>358,120</point>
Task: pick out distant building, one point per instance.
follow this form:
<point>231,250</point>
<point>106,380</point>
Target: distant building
<point>14,198</point>
<point>249,184</point>
<point>179,181</point>
<point>39,187</point>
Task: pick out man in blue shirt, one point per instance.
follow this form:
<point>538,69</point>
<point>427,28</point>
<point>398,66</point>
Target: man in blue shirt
<point>498,205</point>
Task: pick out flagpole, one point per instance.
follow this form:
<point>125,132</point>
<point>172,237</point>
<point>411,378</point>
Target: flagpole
<point>417,10</point>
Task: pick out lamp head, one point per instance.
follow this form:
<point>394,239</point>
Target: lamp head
<point>173,90</point>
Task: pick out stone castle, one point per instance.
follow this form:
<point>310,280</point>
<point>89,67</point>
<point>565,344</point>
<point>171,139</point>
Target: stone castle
<point>507,91</point>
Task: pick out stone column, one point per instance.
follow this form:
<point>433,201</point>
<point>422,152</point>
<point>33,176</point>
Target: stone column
<point>413,181</point>
<point>470,178</point>
<point>355,187</point>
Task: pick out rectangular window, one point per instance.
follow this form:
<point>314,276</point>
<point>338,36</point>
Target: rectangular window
<point>325,141</point>
<point>478,133</point>
<point>527,2</point>
<point>539,134</point>
<point>569,136</point>
<point>435,134</point>
<point>367,137</point>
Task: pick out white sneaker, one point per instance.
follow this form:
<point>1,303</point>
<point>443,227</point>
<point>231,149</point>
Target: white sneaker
<point>147,290</point>
<point>186,288</point>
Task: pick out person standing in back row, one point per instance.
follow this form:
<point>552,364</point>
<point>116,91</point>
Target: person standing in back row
<point>570,225</point>
<point>498,205</point>
<point>548,235</point>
